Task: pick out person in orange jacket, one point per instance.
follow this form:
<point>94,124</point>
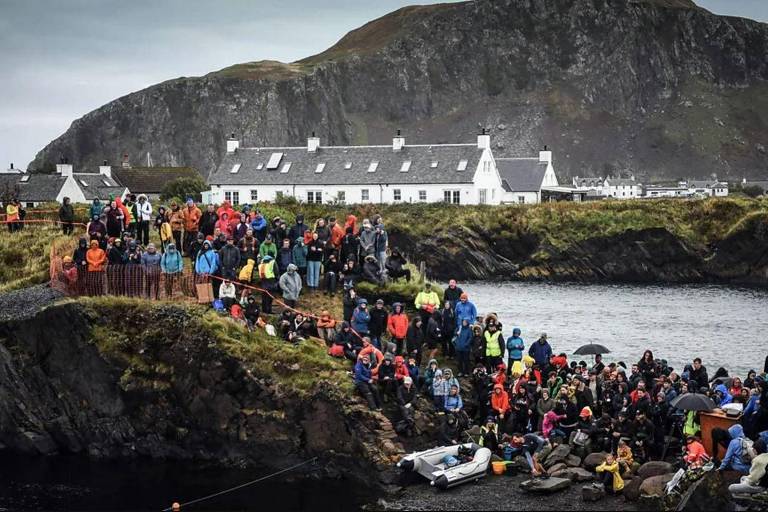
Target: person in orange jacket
<point>337,233</point>
<point>401,369</point>
<point>695,454</point>
<point>191,216</point>
<point>397,326</point>
<point>500,403</point>
<point>97,260</point>
<point>373,353</point>
<point>326,327</point>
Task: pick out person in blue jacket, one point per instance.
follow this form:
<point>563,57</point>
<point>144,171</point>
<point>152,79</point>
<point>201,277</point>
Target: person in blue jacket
<point>259,226</point>
<point>364,383</point>
<point>361,318</point>
<point>171,265</point>
<point>734,457</point>
<point>515,347</point>
<point>207,262</point>
<point>453,402</point>
<point>541,352</point>
<point>464,347</point>
<point>464,310</point>
<point>721,391</point>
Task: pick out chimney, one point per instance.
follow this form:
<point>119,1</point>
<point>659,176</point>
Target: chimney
<point>11,165</point>
<point>126,163</point>
<point>313,143</point>
<point>64,168</point>
<point>484,140</point>
<point>398,142</point>
<point>545,156</point>
<point>105,169</point>
<point>232,144</point>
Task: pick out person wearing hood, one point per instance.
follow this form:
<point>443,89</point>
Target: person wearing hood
<point>332,270</point>
<point>723,397</point>
<point>115,253</point>
<point>380,246</point>
<point>150,265</point>
<point>361,318</point>
<point>737,457</point>
<point>80,261</point>
<point>500,404</point>
<point>97,261</point>
<point>222,225</point>
<point>430,373</point>
<point>164,230</point>
<point>229,257</point>
<point>96,229</point>
<point>464,309</point>
<point>494,345</point>
<point>284,256</point>
<point>172,266</point>
<point>176,219</point>
<point>414,339</point>
<point>364,382</point>
<point>298,229</point>
<point>290,284</point>
<point>453,402</point>
<point>377,325</point>
<point>246,273</point>
<point>515,346</point>
<point>371,271</point>
<point>397,326</point>
<point>208,220</point>
<point>367,240</point>
<point>756,481</point>
<point>395,266</point>
<point>252,312</point>
<point>207,262</point>
<point>299,255</point>
<point>143,217</point>
<point>350,246</point>
<point>463,347</point>
<point>259,226</point>
<point>446,320</point>
<point>115,220</point>
<point>268,248</point>
<point>191,215</point>
<point>95,209</point>
<point>326,327</point>
<point>66,216</point>
<point>268,282</point>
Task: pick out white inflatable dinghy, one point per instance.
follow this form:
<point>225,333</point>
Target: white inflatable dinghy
<point>432,465</point>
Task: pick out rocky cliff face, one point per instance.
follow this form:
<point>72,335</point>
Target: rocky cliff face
<point>659,87</point>
<point>634,256</point>
<point>65,387</point>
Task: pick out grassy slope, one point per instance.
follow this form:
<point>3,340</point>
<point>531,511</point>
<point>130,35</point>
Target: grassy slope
<point>126,330</point>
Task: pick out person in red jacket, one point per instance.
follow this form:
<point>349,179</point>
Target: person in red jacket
<point>397,326</point>
<point>401,369</point>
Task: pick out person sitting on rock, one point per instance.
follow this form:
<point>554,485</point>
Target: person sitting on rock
<point>625,458</point>
<point>406,399</point>
<point>608,475</point>
<point>735,457</point>
<point>364,383</point>
<point>549,426</point>
<point>695,455</point>
<point>489,435</point>
<point>528,445</point>
<point>343,343</point>
<point>395,266</point>
<point>386,378</point>
<point>756,481</point>
<point>453,402</point>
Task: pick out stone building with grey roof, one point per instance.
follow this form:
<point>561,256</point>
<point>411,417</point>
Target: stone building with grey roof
<point>396,173</point>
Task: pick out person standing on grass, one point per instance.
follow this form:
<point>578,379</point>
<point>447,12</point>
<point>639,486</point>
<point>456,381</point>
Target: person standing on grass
<point>150,265</point>
<point>171,265</point>
<point>144,215</point>
<point>66,216</point>
<point>426,303</point>
<point>290,285</point>
<point>315,253</point>
<point>176,219</point>
<point>191,216</point>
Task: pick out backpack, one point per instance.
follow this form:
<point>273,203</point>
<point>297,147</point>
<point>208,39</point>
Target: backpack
<point>747,450</point>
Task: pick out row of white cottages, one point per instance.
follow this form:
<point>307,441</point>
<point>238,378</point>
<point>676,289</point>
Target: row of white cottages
<point>396,173</point>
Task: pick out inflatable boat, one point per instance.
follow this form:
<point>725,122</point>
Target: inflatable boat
<point>435,464</point>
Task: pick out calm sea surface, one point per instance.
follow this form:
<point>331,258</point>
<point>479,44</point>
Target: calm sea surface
<point>726,327</point>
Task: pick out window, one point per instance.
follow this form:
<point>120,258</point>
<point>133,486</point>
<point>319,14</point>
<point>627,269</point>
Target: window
<point>422,195</point>
<point>406,166</point>
<point>286,168</point>
<point>314,196</point>
<point>232,197</point>
<point>106,183</point>
<point>486,166</point>
<point>259,167</point>
<point>235,168</point>
<point>348,165</point>
<point>30,205</point>
<point>396,194</point>
<point>483,199</point>
<point>274,160</point>
<point>521,199</point>
<point>364,194</point>
<point>24,179</point>
<point>374,165</point>
<point>279,195</point>
<point>433,164</point>
<point>462,165</point>
<point>452,196</point>
<point>83,183</point>
<point>320,168</point>
<point>341,196</point>
<point>254,195</point>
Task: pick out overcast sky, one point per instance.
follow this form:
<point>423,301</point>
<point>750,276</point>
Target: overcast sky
<point>63,58</point>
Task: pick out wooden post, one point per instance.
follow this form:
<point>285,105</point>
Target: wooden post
<point>422,272</point>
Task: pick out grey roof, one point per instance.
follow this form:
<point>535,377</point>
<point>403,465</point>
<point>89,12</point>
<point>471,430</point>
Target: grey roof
<point>588,182</point>
<point>151,180</point>
<point>706,184</point>
<point>521,174</point>
<point>99,186</point>
<point>37,188</point>
<point>757,183</point>
<point>622,182</point>
<point>304,165</point>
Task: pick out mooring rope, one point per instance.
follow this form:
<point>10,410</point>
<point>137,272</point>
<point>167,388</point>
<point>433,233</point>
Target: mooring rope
<point>220,493</point>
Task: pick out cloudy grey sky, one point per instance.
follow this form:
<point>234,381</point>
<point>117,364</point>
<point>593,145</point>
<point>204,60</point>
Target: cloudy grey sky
<point>63,58</point>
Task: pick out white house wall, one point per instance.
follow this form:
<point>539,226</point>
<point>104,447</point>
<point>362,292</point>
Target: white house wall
<point>71,190</point>
<point>521,198</point>
<point>487,178</point>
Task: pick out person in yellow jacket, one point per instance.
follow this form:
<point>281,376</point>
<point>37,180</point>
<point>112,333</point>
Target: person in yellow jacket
<point>246,273</point>
<point>427,302</point>
<point>268,283</point>
<point>12,216</point>
<point>608,475</point>
<point>166,235</point>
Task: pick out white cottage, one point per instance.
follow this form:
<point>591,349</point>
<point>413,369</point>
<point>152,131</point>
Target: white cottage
<point>524,179</point>
<point>622,188</point>
<point>397,173</point>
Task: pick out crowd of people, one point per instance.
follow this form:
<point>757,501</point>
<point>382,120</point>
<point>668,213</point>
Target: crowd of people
<point>525,397</point>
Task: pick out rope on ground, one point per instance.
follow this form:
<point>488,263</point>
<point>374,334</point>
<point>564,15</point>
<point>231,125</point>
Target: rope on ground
<point>260,479</point>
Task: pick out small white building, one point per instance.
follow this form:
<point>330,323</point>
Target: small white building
<point>679,191</point>
<point>524,179</point>
<point>622,188</point>
<point>711,188</point>
<point>396,173</point>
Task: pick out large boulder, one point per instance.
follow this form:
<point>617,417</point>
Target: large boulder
<point>573,461</point>
<point>631,489</point>
<point>655,485</point>
<point>655,468</point>
<point>593,460</point>
<point>557,455</point>
<point>591,493</point>
<point>547,486</point>
<point>574,474</point>
<point>557,467</point>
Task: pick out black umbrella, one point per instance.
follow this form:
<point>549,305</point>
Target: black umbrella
<point>592,349</point>
<point>693,402</point>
